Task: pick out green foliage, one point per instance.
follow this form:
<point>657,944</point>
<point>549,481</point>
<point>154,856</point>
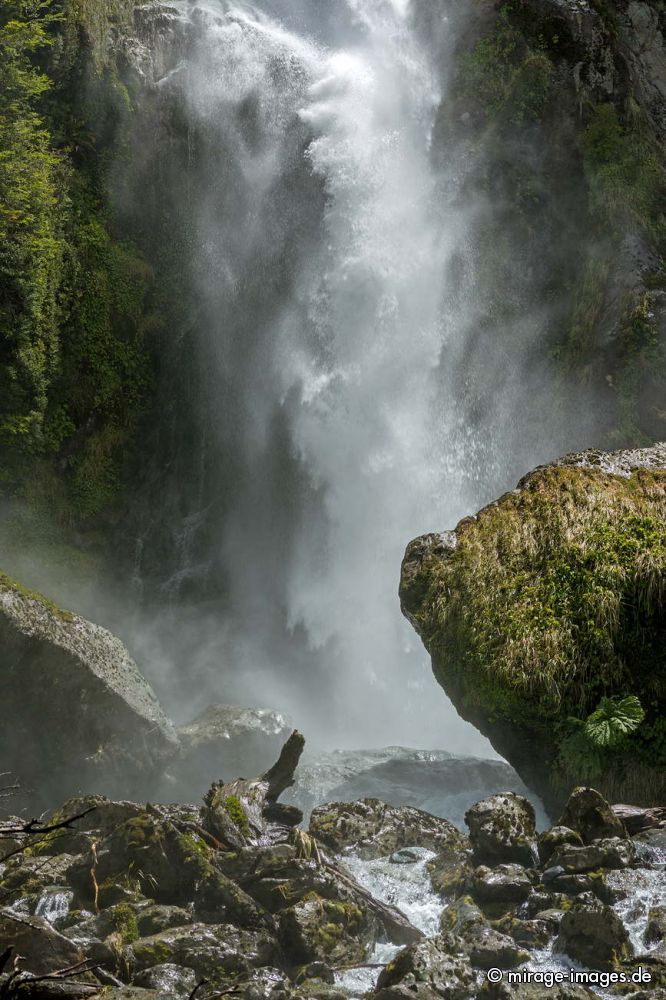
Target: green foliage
<point>506,76</point>
<point>625,174</point>
<point>31,244</point>
<point>74,369</point>
<point>125,923</point>
<point>614,719</point>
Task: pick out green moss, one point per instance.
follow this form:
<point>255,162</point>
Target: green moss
<point>625,173</point>
<point>149,952</point>
<point>124,921</point>
<point>553,600</point>
<point>237,814</point>
<point>31,595</point>
<point>506,76</point>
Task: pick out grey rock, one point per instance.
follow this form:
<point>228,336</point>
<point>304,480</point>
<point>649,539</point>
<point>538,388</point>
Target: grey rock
<point>505,884</point>
<point>592,933</point>
<point>375,829</point>
<point>57,666</point>
<point>436,967</point>
<point>502,828</point>
<point>553,838</point>
<point>173,980</point>
<point>589,814</point>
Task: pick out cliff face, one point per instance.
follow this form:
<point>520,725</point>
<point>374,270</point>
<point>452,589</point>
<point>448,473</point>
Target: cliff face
<point>544,617</point>
<point>559,104</point>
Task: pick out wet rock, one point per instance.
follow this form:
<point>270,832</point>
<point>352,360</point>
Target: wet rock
<point>506,884</point>
<point>42,948</point>
<point>209,950</point>
<point>551,840</point>
<point>375,829</point>
<point>636,820</point>
<point>487,948</point>
<point>436,967</point>
<point>56,666</point>
<point>609,853</point>
<point>592,933</point>
<point>171,865</point>
<point>25,875</point>
<point>324,930</point>
<point>167,978</point>
<point>224,742</point>
<point>588,813</point>
<point>154,919</point>
<point>450,873</point>
<point>534,933</point>
<point>656,926</point>
<point>502,828</point>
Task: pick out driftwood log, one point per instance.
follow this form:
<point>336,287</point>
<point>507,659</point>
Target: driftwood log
<point>636,819</point>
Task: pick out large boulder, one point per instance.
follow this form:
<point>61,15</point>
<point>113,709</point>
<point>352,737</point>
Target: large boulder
<point>375,829</point>
<point>502,828</point>
<point>436,967</point>
<point>588,813</point>
<point>592,933</point>
<point>542,603</point>
<point>75,706</point>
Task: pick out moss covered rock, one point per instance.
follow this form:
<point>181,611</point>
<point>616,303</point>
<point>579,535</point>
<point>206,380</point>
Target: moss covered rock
<point>544,617</point>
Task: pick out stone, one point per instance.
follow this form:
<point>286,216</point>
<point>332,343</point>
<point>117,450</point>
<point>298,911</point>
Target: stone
<point>209,950</point>
<point>450,873</point>
<point>325,930</point>
<point>655,931</point>
<point>556,836</point>
<point>436,967</point>
<point>487,947</point>
<point>56,666</point>
<point>592,933</point>
<point>589,814</point>
<point>607,853</point>
<point>502,828</point>
<point>173,980</point>
<point>42,948</point>
<point>374,829</point>
<point>505,884</point>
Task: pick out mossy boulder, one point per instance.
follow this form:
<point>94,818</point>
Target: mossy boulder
<point>74,702</point>
<point>375,829</point>
<point>544,616</point>
<point>592,933</point>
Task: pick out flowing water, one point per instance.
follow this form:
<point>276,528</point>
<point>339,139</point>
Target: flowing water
<point>327,330</point>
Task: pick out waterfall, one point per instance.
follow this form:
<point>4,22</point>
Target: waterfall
<point>326,322</point>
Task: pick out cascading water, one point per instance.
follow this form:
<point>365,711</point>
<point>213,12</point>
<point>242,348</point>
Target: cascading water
<point>323,235</point>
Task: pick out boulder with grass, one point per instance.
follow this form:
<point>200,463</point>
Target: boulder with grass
<point>544,616</point>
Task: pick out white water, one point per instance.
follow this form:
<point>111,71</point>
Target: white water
<point>319,195</point>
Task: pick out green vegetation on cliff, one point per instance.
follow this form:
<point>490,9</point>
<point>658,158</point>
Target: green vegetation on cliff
<point>74,298</point>
<point>552,601</point>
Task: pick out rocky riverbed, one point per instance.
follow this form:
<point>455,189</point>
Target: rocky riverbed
<point>234,898</point>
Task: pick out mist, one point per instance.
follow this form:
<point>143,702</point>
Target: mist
<point>347,382</point>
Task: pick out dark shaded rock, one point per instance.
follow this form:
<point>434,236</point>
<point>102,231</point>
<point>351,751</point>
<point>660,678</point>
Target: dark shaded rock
<point>375,829</point>
<point>506,884</point>
<point>58,666</point>
<point>42,948</point>
<point>556,836</point>
<point>324,930</point>
<point>656,926</point>
<point>588,813</point>
<point>436,967</point>
<point>636,819</point>
<point>592,933</point>
<point>608,853</point>
<point>450,873</point>
<point>487,948</point>
<point>154,919</point>
<point>209,950</point>
<point>502,828</point>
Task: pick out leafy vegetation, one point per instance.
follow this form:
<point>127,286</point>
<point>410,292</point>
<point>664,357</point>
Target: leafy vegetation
<point>505,75</point>
<point>74,300</point>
